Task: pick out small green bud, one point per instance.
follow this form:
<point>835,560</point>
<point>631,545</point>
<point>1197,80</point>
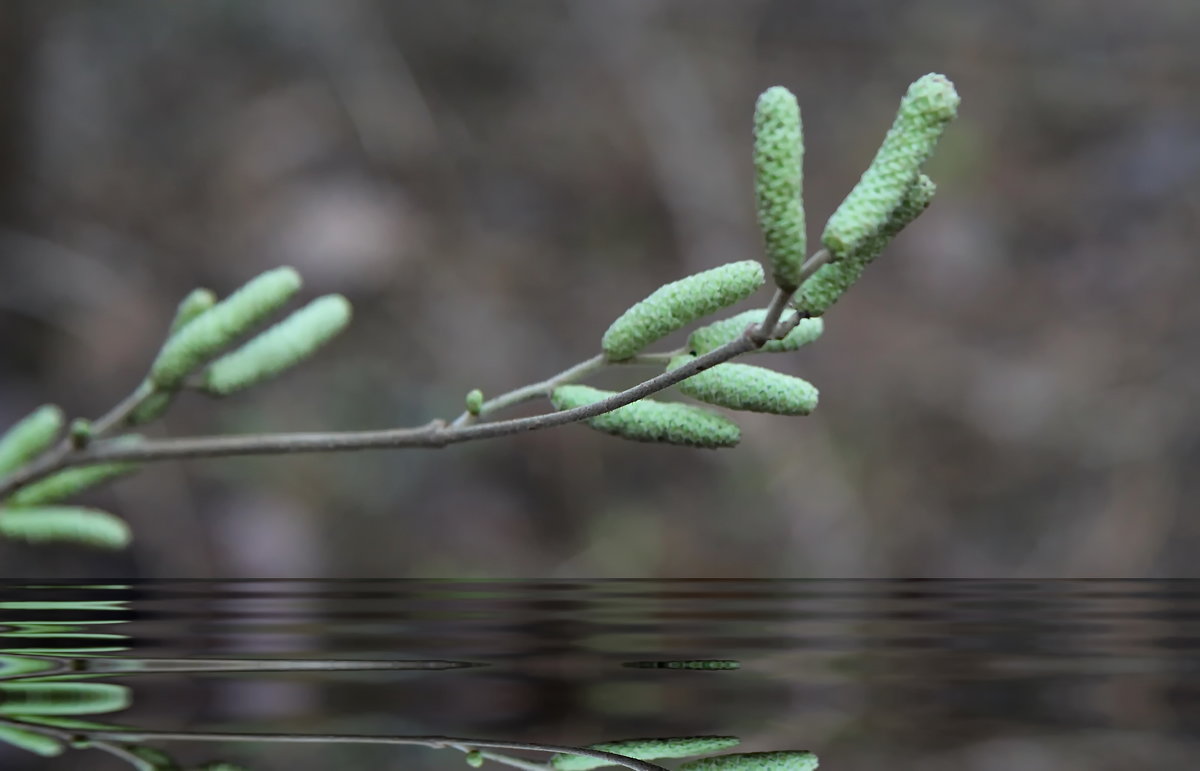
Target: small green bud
<point>474,758</point>
<point>80,433</point>
<point>284,345</point>
<point>746,387</point>
<point>46,524</point>
<point>785,760</point>
<point>679,303</point>
<point>205,335</point>
<point>196,302</point>
<point>645,749</point>
<point>29,437</point>
<point>778,183</point>
<point>831,281</point>
<point>712,336</point>
<point>931,103</point>
<point>474,402</point>
<point>651,421</point>
<point>31,741</point>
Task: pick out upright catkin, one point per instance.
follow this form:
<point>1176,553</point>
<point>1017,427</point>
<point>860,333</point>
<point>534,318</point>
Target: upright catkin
<point>282,346</point>
<point>205,335</point>
<point>196,302</point>
<point>679,303</point>
<point>778,183</point>
<point>831,281</point>
<point>930,103</point>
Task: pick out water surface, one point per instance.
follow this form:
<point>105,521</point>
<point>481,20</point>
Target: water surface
<point>868,674</point>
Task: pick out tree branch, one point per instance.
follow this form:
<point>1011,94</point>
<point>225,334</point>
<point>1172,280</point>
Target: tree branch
<point>432,435</point>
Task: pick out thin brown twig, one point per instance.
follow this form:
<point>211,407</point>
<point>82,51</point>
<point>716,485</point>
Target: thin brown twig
<point>113,739</point>
<point>434,434</point>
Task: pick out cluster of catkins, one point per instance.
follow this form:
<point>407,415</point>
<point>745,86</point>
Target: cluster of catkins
<point>203,328</point>
<point>891,193</point>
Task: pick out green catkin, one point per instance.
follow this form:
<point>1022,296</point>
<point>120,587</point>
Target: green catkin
<point>196,302</point>
<point>205,335</point>
<point>284,345</point>
<point>474,401</point>
<point>712,336</point>
<point>679,303</point>
<point>31,741</point>
<point>29,437</point>
<point>651,421</point>
<point>783,760</point>
<point>778,183</point>
<point>746,387</point>
<point>70,481</point>
<point>45,524</point>
<point>931,103</point>
<point>644,749</point>
<point>152,408</point>
<point>831,281</point>
<point>62,698</point>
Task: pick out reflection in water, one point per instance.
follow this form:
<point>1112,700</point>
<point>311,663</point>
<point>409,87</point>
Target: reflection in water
<point>870,675</point>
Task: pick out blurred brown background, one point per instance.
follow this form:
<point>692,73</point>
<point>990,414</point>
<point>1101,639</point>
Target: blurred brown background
<point>1011,391</point>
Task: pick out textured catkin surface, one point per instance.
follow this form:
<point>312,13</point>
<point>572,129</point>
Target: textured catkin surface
<point>930,103</point>
<point>646,749</point>
<point>282,346</point>
<point>196,302</point>
<point>650,421</point>
<point>205,335</point>
<point>828,284</point>
<point>751,388</point>
<point>779,182</point>
<point>678,303</point>
<point>718,333</point>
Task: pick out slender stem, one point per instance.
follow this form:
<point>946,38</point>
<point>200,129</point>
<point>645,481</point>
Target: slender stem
<point>431,435</point>
<point>120,752</point>
<point>111,739</point>
<point>818,260</point>
<point>507,760</point>
<point>118,414</point>
<point>434,742</point>
<point>570,375</point>
<point>766,330</point>
<point>534,390</point>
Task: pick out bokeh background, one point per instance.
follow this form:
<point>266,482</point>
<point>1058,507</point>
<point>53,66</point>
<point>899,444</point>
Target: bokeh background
<point>1011,391</point>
